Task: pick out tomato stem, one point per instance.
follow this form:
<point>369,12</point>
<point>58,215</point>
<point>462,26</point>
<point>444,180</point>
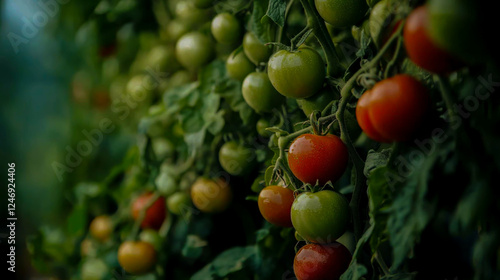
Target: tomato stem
<point>317,23</point>
<point>445,89</point>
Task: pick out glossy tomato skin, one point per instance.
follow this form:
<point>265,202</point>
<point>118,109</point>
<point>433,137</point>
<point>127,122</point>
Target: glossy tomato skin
<point>420,47</point>
<point>254,49</point>
<point>194,50</point>
<point>275,204</point>
<point>136,257</point>
<point>260,94</point>
<point>341,13</point>
<point>298,74</point>
<point>321,262</point>
<point>101,228</point>
<point>226,28</point>
<point>211,196</point>
<point>236,159</point>
<point>320,217</point>
<point>238,66</point>
<point>155,215</point>
<point>318,158</point>
<point>393,109</point>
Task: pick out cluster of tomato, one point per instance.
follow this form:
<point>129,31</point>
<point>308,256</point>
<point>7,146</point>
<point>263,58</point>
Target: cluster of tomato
<point>390,111</point>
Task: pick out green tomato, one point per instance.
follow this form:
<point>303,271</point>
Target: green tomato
<point>180,78</point>
<point>94,269</point>
<point>152,237</point>
<point>260,94</point>
<point>162,148</point>
<point>254,49</point>
<point>194,50</point>
<point>179,203</point>
<point>190,15</point>
<point>141,88</point>
<point>317,102</point>
<point>341,13</point>
<point>236,159</point>
<point>261,126</point>
<point>320,217</point>
<point>298,74</point>
<point>226,28</point>
<point>454,25</point>
<point>187,180</point>
<point>174,30</point>
<point>162,58</point>
<point>238,66</point>
<point>166,184</point>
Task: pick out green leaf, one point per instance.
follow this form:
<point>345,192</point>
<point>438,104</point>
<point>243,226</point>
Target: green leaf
<point>276,11</point>
<point>259,26</point>
<point>354,272</point>
<point>229,261</point>
<point>77,220</point>
<point>376,159</point>
<point>193,247</point>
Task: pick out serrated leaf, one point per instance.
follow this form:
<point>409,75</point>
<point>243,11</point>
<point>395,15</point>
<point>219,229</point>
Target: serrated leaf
<point>257,25</point>
<point>276,11</point>
<point>376,159</point>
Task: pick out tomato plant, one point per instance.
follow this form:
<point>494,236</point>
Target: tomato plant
<point>154,215</point>
<point>275,203</point>
<point>179,203</point>
<point>316,158</point>
<point>341,13</point>
<point>101,227</point>
<point>393,109</point>
<point>136,257</point>
<point>260,94</point>
<point>320,217</point>
<point>317,102</point>
<point>254,49</point>
<point>321,262</point>
<point>239,66</point>
<point>194,50</point>
<point>297,74</point>
<point>226,28</point>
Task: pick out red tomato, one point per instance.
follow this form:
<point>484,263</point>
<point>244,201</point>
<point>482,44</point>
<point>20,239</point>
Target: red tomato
<point>275,204</point>
<point>154,215</point>
<point>393,109</point>
<point>421,49</point>
<point>318,158</point>
<point>321,262</point>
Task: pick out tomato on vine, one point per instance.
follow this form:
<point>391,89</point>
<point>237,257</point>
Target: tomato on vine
<point>341,13</point>
<point>179,203</point>
<point>393,109</point>
<point>320,217</point>
<point>136,257</point>
<point>321,262</point>
<point>154,215</point>
<point>211,196</point>
<point>194,50</point>
<point>226,28</point>
<point>238,66</point>
<point>275,204</point>
<point>316,158</point>
<point>421,49</point>
<point>297,74</point>
<point>260,94</point>
<point>254,49</point>
<point>101,228</point>
<point>236,159</point>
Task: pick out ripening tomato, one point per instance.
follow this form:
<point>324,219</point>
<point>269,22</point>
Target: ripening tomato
<point>155,214</point>
<point>136,257</point>
<point>420,47</point>
<point>275,204</point>
<point>194,50</point>
<point>101,228</point>
<point>179,203</point>
<point>260,94</point>
<point>94,269</point>
<point>321,262</point>
<point>320,217</point>
<point>315,158</point>
<point>393,109</point>
<point>211,196</point>
<point>254,49</point>
<point>297,74</point>
<point>226,28</point>
<point>341,13</point>
<point>152,237</point>
<point>238,66</point>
